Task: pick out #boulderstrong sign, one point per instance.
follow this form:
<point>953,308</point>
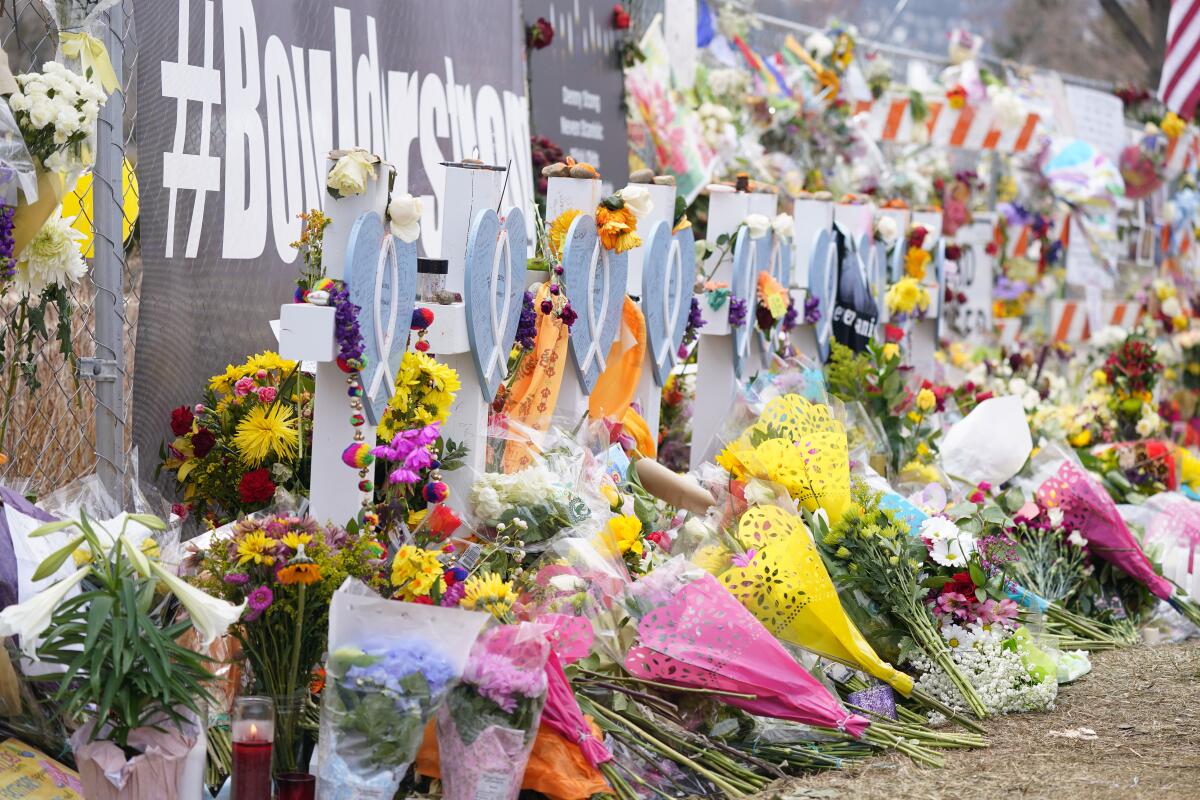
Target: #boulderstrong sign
<point>576,85</point>
<point>238,104</point>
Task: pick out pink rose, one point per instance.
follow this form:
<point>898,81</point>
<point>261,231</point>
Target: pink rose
<point>243,387</point>
<point>267,394</point>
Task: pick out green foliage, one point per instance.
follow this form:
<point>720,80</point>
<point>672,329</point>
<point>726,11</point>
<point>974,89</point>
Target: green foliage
<point>123,665</point>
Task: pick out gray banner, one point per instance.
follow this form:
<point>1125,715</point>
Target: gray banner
<point>240,100</point>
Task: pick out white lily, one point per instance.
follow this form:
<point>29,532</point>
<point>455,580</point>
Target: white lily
<point>30,619</point>
<point>211,616</point>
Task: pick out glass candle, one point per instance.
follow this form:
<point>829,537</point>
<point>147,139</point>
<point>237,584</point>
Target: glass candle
<point>295,786</point>
<point>253,738</point>
<point>431,278</point>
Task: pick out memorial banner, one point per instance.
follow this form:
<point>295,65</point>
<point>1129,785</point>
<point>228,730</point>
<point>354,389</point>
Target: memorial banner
<point>238,105</point>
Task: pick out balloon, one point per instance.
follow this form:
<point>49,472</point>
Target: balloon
<point>78,204</point>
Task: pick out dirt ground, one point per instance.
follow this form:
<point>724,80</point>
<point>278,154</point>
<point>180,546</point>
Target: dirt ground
<point>1142,704</point>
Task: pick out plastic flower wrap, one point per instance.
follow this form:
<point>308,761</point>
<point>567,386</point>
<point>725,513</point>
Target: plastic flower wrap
<point>1175,531</point>
<point>390,665</point>
<point>1088,508</point>
<point>487,726</point>
<point>693,632</point>
<point>799,445</point>
<point>781,579</point>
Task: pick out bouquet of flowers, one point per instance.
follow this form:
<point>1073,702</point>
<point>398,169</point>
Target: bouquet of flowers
<point>870,550</point>
<point>285,569</point>
<point>232,451</point>
<point>56,111</point>
<point>691,632</point>
<point>487,726</point>
<point>390,665</point>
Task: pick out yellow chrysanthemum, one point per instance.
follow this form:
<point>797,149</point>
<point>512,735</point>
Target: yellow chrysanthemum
<point>255,547</point>
<point>906,295</point>
<point>626,531</point>
<point>267,431</point>
<point>295,540</point>
<point>425,388</point>
<point>488,592</point>
<point>558,230</point>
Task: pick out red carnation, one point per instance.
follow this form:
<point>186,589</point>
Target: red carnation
<point>202,442</point>
<point>620,17</point>
<point>539,34</point>
<point>181,420</point>
<point>960,582</point>
<point>256,487</point>
<point>893,333</point>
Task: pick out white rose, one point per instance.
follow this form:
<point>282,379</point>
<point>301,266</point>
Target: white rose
<point>637,199</point>
<point>1171,307</point>
<point>351,172</point>
<point>783,225</point>
<point>887,228</point>
<point>820,45</point>
<point>758,225</point>
<point>404,212</point>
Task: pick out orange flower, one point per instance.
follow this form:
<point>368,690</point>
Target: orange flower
<point>915,262</point>
<point>305,572</point>
<point>617,228</point>
<point>957,97</point>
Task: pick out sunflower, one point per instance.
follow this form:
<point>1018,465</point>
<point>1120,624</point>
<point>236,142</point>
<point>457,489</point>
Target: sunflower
<point>558,231</point>
<point>267,431</point>
<point>488,592</point>
<point>617,228</point>
<point>303,571</point>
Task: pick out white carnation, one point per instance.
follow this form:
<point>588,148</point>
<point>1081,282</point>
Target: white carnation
<point>52,257</point>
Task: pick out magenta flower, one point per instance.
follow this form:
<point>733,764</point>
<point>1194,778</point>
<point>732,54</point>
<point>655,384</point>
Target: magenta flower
<point>259,601</point>
<point>952,604</point>
<point>237,579</point>
<point>267,394</point>
<point>744,559</point>
<point>243,387</point>
<point>453,594</point>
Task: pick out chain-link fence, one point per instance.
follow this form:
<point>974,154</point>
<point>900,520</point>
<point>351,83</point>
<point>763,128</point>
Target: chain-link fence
<point>66,359</point>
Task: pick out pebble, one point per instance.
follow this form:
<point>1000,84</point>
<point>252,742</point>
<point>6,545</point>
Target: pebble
<point>664,180</point>
<point>556,170</point>
<point>642,176</point>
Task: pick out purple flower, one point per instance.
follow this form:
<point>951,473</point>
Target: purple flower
<point>527,324</point>
<point>790,318</point>
<point>1009,290</point>
<point>453,594</point>
<point>237,579</point>
<point>812,309</point>
<point>259,601</point>
<point>8,266</point>
<point>345,325</point>
<point>737,312</point>
<point>568,315</point>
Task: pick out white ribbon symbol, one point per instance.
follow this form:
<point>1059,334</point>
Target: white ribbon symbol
<point>387,276</point>
<point>498,301</point>
<point>671,313</point>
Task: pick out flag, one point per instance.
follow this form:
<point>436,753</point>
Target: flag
<point>1180,86</point>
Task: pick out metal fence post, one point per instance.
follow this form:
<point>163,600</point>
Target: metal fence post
<point>108,273</point>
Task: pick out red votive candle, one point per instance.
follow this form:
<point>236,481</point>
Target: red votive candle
<point>253,740</point>
<point>295,786</point>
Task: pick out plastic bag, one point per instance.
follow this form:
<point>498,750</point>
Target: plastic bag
<point>390,665</point>
<point>487,726</point>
